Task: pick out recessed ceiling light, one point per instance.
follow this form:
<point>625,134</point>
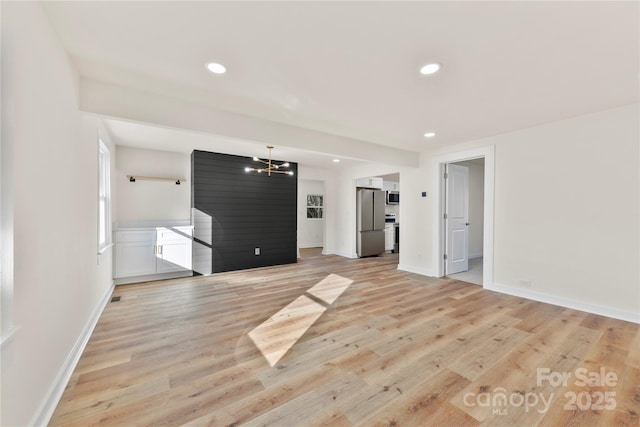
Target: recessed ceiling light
<point>430,68</point>
<point>216,68</point>
<point>429,135</point>
<point>336,160</point>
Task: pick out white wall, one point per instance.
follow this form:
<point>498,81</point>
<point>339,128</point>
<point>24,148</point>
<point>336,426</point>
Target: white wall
<point>476,205</point>
<point>566,212</point>
<point>143,201</point>
<point>566,209</point>
<point>310,231</point>
<point>59,281</point>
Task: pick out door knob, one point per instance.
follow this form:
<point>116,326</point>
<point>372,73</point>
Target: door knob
<point>466,223</point>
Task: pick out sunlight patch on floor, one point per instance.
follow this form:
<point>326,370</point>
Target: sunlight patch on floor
<point>275,336</point>
<point>330,288</point>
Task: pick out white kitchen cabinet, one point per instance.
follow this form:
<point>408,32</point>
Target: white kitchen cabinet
<point>134,253</point>
<point>134,259</point>
<point>173,256</point>
<point>389,237</point>
<point>391,186</point>
<point>371,182</point>
<point>152,253</point>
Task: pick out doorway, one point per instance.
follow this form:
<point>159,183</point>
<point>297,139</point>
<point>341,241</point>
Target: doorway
<point>464,204</point>
<point>311,215</point>
<point>391,185</point>
<point>481,156</point>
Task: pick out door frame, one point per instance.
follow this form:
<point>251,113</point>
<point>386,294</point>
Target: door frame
<point>299,214</point>
<point>448,221</point>
<point>438,248</point>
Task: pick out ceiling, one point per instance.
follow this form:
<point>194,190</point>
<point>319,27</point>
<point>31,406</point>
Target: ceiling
<point>352,68</point>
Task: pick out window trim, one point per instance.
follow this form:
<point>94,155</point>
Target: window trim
<point>320,207</point>
<point>104,196</point>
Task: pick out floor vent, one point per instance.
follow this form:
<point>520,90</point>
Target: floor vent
<point>115,299</point>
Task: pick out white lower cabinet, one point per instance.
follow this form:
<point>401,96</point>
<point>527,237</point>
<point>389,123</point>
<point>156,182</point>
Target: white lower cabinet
<point>173,256</point>
<point>143,254</point>
<point>389,237</point>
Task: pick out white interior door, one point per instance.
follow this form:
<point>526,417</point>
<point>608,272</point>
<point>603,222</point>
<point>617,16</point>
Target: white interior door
<point>457,219</point>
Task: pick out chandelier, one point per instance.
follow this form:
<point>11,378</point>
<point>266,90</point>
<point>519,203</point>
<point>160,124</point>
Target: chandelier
<point>270,166</point>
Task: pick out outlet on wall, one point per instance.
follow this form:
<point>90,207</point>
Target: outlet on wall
<point>256,251</point>
<point>525,283</point>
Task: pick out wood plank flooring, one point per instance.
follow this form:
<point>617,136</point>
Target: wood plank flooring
<point>331,341</point>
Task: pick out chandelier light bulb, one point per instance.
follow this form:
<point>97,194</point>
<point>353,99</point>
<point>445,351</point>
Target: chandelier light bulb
<point>270,166</point>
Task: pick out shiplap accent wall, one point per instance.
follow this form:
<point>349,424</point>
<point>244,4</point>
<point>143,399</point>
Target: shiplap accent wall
<point>235,212</point>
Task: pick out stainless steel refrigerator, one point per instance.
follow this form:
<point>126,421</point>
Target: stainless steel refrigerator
<point>370,222</point>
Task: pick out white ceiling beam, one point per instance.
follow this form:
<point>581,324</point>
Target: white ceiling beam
<point>131,104</point>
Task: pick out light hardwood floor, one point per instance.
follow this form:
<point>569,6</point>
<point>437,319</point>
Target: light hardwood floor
<point>346,342</point>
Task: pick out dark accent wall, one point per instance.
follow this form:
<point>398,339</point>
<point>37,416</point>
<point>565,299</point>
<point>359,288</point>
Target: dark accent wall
<point>235,212</point>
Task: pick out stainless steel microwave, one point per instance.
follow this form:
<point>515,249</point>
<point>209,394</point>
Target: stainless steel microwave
<point>393,197</point>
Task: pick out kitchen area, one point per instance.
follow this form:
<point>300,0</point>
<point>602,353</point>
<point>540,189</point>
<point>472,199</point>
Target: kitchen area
<point>377,210</point>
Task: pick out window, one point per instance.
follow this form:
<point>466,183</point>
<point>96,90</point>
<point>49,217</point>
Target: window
<point>315,206</point>
<point>104,197</point>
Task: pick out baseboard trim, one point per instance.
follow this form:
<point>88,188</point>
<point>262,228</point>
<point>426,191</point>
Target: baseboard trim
<point>344,254</point>
<point>53,396</point>
<point>627,316</point>
<point>152,277</point>
<point>311,245</point>
<point>474,256</point>
<point>416,270</point>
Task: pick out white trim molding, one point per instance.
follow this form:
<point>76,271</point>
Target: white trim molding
<point>488,153</point>
<point>417,270</point>
<point>54,394</point>
<point>8,337</point>
<point>152,277</point>
<point>311,245</point>
<point>340,253</point>
<point>600,310</point>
